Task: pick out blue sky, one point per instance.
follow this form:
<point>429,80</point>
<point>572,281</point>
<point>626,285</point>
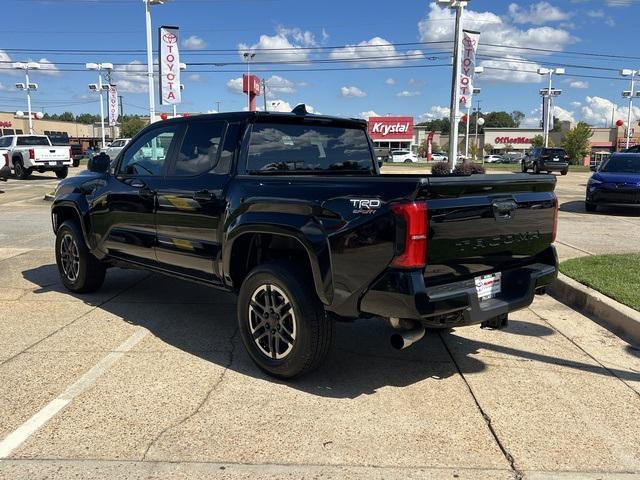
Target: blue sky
<point>418,85</point>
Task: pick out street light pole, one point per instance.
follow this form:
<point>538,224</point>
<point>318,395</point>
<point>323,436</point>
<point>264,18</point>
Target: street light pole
<point>152,100</point>
<point>629,73</point>
<point>28,86</point>
<point>548,99</point>
<point>454,110</point>
<point>100,87</point>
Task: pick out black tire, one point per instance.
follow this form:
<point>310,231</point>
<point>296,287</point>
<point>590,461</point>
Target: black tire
<point>590,207</point>
<point>536,167</point>
<point>406,160</point>
<point>76,162</point>
<point>312,328</point>
<point>21,172</point>
<point>79,270</point>
<point>564,172</point>
<point>524,167</point>
<point>62,173</point>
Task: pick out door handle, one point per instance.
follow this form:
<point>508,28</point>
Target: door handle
<point>203,196</point>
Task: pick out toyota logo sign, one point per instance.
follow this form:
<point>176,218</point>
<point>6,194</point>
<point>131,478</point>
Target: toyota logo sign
<point>169,38</point>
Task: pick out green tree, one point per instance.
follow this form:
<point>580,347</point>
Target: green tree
<point>517,117</point>
<point>576,142</point>
<point>66,117</point>
<point>488,148</point>
<point>444,147</point>
<point>537,141</point>
<point>132,126</point>
<point>439,125</point>
<point>499,119</point>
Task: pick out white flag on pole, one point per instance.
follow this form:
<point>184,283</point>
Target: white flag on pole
<point>468,66</point>
<point>113,106</point>
<point>169,66</point>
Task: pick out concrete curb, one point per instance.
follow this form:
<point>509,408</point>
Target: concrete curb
<point>612,314</point>
<point>49,197</point>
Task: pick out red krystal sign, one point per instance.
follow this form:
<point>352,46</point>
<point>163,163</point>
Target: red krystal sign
<point>391,128</point>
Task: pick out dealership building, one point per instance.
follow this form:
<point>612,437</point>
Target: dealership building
<point>400,132</point>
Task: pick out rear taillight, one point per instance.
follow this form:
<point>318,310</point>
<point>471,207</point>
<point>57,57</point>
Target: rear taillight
<point>554,232</point>
<point>566,157</point>
<point>545,157</point>
<point>6,158</point>
<point>413,227</point>
<point>32,154</point>
<point>70,152</point>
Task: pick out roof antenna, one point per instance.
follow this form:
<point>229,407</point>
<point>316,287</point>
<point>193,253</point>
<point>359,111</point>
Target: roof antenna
<point>300,109</point>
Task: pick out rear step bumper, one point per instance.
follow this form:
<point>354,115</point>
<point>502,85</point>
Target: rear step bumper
<point>403,294</point>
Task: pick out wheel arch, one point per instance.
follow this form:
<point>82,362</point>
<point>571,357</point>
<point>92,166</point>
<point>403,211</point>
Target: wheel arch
<point>66,210</point>
<point>259,243</point>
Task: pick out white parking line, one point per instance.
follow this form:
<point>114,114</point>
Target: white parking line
<point>20,435</point>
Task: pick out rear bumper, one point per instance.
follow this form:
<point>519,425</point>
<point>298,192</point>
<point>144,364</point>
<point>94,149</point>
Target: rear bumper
<point>554,166</point>
<point>403,294</point>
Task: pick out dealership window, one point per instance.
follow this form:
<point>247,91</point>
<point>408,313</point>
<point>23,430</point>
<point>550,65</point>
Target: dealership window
<point>19,131</point>
<point>8,131</point>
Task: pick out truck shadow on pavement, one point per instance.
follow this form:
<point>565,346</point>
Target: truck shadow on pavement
<point>577,206</point>
<point>201,321</point>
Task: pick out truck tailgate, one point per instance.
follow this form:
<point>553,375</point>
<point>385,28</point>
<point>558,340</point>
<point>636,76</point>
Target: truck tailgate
<point>486,223</point>
<point>51,154</point>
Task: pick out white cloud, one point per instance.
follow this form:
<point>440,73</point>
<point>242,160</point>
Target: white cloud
<point>417,82</point>
<point>352,92</point>
<point>390,81</point>
<point>407,93</point>
<point>373,52</point>
<point>496,30</point>
<point>196,77</point>
<point>368,114</point>
<point>278,84</point>
<point>194,42</point>
<point>510,69</point>
<point>595,13</point>
<point>235,85</point>
<point>436,112</point>
<point>47,67</point>
<point>537,14</point>
<point>599,111</point>
<point>578,84</point>
<point>131,78</point>
<point>610,22</point>
<point>563,115</point>
<point>618,3</point>
<point>285,45</point>
<point>576,104</point>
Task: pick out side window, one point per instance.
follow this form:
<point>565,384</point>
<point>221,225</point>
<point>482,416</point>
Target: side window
<point>5,142</point>
<point>148,154</point>
<point>199,151</point>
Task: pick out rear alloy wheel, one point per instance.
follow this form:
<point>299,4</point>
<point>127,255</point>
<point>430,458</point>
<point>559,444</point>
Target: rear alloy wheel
<point>564,172</point>
<point>62,173</point>
<point>282,322</point>
<point>536,167</point>
<point>21,172</point>
<point>524,167</point>
<point>407,160</point>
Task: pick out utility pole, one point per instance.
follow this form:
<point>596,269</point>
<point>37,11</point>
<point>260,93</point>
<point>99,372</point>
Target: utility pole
<point>264,93</point>
<point>218,106</point>
<point>454,115</point>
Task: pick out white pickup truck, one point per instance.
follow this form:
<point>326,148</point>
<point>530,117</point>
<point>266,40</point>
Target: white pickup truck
<point>27,153</point>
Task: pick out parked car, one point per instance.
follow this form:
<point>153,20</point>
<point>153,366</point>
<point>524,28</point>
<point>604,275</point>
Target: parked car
<point>288,211</point>
<point>403,156</point>
<point>116,147</point>
<point>493,159</point>
<point>546,159</point>
<point>26,153</point>
<point>616,182</point>
<point>439,157</point>
<point>634,149</point>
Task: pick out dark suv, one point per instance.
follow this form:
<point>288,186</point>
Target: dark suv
<point>546,159</point>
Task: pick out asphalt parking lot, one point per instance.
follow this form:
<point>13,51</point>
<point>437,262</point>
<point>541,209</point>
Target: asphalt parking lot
<point>147,378</point>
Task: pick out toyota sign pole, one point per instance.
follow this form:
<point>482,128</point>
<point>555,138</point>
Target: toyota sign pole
<point>454,115</point>
<point>113,107</point>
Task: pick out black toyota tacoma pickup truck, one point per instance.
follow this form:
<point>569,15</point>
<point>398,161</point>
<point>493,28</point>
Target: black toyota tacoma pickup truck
<point>291,213</point>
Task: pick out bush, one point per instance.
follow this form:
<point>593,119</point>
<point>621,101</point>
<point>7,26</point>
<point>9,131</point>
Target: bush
<point>440,168</point>
<point>466,168</point>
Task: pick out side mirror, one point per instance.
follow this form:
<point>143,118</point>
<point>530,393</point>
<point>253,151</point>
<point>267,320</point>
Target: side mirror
<point>99,163</point>
<point>5,172</point>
